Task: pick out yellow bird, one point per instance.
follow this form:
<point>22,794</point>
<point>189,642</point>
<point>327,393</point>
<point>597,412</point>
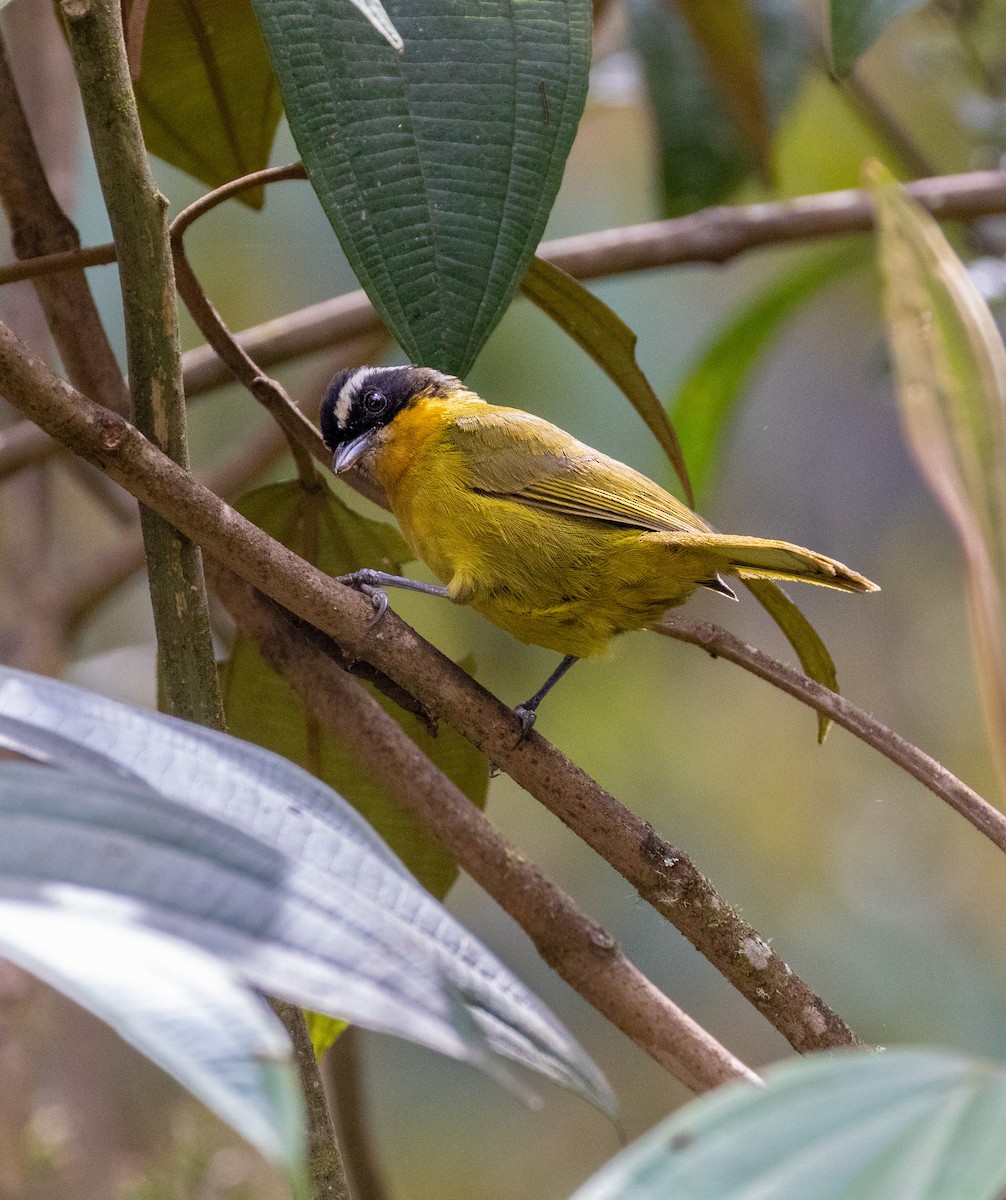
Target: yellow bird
<point>553,541</point>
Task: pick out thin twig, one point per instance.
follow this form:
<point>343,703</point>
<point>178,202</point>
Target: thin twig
<point>187,675</point>
<point>38,225</point>
<point>933,775</point>
<point>53,264</point>
<point>300,433</point>
<point>575,946</point>
<point>664,875</point>
<point>76,598</point>
<point>713,235</point>
<point>227,191</point>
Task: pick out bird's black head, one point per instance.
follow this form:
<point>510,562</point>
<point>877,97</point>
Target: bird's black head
<point>361,401</point>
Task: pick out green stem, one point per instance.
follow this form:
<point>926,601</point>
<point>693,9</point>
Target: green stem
<point>187,678</point>
<point>326,1172</point>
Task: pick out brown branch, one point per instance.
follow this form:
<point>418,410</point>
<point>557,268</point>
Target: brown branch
<point>664,876</point>
<point>583,953</point>
<point>300,433</point>
<point>90,586</point>
<point>713,235</point>
<point>53,264</point>
<point>931,774</point>
<point>39,226</point>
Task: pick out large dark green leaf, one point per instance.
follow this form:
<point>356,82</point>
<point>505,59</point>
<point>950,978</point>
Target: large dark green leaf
<point>904,1125</point>
<point>854,25</point>
<point>206,94</point>
<point>437,166</point>
<point>233,847</point>
<point>703,155</point>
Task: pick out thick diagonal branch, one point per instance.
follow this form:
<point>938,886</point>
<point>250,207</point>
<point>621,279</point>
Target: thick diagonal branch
<point>662,873</point>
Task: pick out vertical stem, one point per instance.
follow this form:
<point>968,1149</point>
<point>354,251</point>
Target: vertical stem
<point>187,676</point>
<point>324,1162</point>
<point>186,670</point>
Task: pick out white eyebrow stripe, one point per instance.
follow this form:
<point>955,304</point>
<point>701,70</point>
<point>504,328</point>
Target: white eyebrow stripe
<point>344,400</point>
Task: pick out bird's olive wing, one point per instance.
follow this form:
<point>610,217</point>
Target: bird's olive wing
<point>516,456</point>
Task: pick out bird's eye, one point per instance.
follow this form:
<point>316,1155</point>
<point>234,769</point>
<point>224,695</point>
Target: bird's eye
<point>375,403</point>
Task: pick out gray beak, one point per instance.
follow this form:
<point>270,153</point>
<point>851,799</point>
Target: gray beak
<point>349,452</point>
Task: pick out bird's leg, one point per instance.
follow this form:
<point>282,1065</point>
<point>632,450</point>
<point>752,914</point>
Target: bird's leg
<point>529,709</point>
<point>372,583</point>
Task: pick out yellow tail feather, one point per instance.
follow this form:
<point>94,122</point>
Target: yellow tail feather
<point>761,558</point>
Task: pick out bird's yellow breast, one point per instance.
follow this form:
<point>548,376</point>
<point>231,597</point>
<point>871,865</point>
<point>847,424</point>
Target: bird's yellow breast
<point>563,582</point>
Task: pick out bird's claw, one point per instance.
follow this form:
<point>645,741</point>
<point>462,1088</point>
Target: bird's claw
<point>526,716</point>
<point>379,599</point>
<point>364,581</point>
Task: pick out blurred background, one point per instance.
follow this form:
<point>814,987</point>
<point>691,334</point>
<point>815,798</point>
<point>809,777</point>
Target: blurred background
<point>883,900</point>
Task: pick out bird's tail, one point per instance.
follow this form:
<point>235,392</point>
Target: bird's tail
<point>761,558</point>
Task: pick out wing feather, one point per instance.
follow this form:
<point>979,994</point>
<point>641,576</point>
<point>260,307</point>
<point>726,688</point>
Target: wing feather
<point>553,471</point>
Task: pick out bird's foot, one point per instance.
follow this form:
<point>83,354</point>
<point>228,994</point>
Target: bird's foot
<point>527,717</point>
<point>366,581</point>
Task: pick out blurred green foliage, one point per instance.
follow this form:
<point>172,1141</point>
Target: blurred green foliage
<point>888,904</point>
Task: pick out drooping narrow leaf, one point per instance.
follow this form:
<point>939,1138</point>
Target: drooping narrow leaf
<point>299,820</point>
<point>437,167</point>
<point>951,383</point>
<point>610,343</point>
<point>703,156</point>
<point>802,636</point>
<point>852,26</point>
<point>902,1125</point>
<point>183,1008</point>
<point>206,94</point>
<point>728,37</point>
<point>707,400</point>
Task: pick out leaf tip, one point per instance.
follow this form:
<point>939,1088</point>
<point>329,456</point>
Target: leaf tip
<point>876,175</point>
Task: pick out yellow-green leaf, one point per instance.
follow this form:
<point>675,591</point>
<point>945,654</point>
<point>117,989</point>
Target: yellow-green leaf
<point>261,706</point>
<point>610,343</point>
<point>801,635</point>
<point>950,366</point>
<point>728,36</point>
<point>207,97</point>
<point>323,1030</point>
